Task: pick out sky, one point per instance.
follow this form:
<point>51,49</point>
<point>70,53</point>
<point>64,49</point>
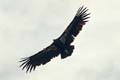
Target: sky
<point>28,26</point>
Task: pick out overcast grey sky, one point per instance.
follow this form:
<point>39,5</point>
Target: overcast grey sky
<point>27,26</point>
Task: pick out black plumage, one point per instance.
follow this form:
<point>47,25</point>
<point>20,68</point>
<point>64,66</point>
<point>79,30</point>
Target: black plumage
<point>61,45</point>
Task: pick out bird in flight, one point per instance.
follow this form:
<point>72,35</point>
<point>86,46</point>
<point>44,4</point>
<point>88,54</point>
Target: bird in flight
<point>60,46</point>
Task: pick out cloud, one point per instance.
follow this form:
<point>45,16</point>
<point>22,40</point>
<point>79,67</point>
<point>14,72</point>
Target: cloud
<point>27,26</point>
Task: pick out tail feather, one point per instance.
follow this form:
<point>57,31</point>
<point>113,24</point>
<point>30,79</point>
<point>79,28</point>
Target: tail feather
<point>67,52</point>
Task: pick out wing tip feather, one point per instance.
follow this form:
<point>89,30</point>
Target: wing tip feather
<point>82,13</point>
<point>27,65</point>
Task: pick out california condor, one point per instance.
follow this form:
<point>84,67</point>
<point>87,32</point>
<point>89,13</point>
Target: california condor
<point>60,46</point>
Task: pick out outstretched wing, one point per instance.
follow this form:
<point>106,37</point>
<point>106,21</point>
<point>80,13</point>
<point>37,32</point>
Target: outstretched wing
<point>39,58</point>
<point>75,26</point>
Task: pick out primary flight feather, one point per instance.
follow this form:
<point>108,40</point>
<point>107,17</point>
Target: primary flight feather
<point>60,46</point>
